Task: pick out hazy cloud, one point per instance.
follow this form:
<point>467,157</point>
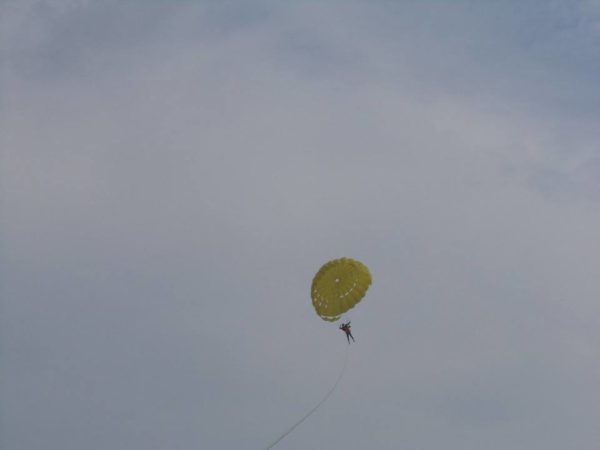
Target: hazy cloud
<point>173,175</point>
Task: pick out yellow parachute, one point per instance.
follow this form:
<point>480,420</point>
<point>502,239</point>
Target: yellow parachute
<point>338,286</point>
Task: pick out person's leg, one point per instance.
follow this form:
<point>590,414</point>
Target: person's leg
<point>352,338</point>
<point>348,337</point>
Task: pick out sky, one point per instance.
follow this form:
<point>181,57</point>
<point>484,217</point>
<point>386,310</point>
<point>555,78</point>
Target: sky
<point>173,174</point>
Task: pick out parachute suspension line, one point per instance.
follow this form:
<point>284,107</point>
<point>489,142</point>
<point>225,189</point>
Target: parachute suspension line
<point>308,414</point>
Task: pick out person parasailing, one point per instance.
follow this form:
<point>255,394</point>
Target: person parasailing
<point>345,327</point>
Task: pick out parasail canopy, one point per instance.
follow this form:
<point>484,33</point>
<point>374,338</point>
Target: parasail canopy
<point>338,286</point>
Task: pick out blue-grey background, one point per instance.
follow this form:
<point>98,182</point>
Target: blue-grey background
<point>174,173</point>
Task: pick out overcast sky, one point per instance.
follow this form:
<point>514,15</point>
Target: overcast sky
<point>174,173</point>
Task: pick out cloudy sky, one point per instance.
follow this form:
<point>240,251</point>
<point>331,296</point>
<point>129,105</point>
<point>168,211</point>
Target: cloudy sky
<point>174,173</point>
